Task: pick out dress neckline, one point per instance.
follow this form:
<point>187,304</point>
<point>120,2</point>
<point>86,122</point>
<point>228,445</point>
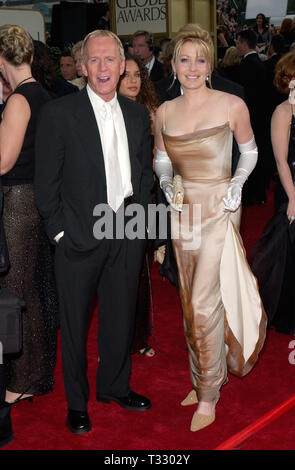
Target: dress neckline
<point>199,131</point>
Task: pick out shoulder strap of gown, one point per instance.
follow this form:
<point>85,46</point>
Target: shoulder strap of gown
<point>164,116</point>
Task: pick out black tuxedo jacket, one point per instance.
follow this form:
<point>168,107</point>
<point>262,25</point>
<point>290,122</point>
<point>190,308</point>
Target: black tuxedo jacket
<point>274,97</point>
<point>157,71</point>
<point>166,91</point>
<point>253,79</point>
<point>70,175</point>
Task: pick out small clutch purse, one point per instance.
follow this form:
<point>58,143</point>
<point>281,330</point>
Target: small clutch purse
<point>178,192</point>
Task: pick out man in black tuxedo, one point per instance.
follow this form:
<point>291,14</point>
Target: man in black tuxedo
<point>143,48</point>
<point>253,79</point>
<point>275,52</point>
<point>93,148</point>
<point>274,97</point>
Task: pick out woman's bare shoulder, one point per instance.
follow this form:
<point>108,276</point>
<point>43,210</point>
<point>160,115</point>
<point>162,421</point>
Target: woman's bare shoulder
<point>16,104</point>
<point>283,108</point>
<point>282,112</point>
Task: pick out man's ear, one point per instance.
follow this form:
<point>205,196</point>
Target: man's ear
<point>122,67</point>
<point>84,69</point>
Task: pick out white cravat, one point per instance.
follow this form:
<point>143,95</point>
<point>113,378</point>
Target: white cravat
<point>115,193</point>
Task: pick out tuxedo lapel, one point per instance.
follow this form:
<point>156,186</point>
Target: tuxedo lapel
<point>132,137</point>
<point>87,129</point>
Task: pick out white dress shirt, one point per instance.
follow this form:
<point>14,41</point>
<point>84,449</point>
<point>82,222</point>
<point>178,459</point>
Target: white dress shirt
<point>97,104</point>
<point>150,65</point>
<point>124,159</point>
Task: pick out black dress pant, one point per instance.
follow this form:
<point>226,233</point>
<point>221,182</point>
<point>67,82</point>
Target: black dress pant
<point>6,432</point>
<point>112,270</point>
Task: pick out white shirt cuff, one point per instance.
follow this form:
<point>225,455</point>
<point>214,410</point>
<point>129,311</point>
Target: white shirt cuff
<point>59,236</point>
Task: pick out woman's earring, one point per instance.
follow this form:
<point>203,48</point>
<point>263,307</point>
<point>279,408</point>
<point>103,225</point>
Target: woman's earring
<point>292,92</point>
<point>174,76</point>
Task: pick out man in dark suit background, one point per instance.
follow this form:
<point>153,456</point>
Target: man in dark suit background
<point>275,51</point>
<point>169,88</point>
<point>86,143</point>
<point>253,79</point>
<point>143,48</point>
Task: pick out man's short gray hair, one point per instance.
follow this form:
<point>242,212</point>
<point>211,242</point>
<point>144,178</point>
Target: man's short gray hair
<point>102,33</point>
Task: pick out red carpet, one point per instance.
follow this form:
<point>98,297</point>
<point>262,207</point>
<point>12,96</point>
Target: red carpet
<point>165,380</point>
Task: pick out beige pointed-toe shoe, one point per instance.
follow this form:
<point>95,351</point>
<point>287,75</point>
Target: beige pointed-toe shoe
<point>200,421</point>
<point>191,399</point>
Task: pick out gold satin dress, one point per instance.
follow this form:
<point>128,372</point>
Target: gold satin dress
<point>224,319</point>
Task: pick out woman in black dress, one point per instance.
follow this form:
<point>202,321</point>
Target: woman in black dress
<point>136,85</point>
<point>274,254</point>
<point>31,273</point>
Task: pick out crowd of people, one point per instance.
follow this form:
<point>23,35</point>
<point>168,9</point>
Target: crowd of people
<point>113,130</point>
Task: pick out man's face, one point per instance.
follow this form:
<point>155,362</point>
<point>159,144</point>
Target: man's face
<point>103,66</point>
<point>141,49</point>
<point>67,68</point>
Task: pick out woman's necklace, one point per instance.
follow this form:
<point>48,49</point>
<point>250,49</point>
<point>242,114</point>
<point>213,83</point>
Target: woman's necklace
<point>24,80</point>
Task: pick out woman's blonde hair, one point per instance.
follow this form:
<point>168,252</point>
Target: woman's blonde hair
<point>16,45</point>
<point>76,48</point>
<point>198,36</point>
<point>285,72</point>
<point>231,57</point>
<point>102,33</point>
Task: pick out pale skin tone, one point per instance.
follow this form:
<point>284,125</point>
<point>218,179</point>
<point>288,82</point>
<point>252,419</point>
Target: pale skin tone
<point>103,66</point>
<point>280,133</point>
<point>13,127</point>
<point>200,108</point>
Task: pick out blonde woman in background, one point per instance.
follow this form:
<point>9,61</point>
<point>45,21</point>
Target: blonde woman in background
<point>76,52</point>
<point>229,64</point>
<point>30,276</point>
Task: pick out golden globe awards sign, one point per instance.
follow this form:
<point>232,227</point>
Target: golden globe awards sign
<point>132,15</point>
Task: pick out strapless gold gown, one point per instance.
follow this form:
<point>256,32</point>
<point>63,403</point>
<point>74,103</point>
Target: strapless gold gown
<point>224,319</point>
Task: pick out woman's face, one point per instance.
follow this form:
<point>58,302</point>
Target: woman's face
<point>259,20</point>
<point>131,82</point>
<point>190,67</point>
<point>78,62</point>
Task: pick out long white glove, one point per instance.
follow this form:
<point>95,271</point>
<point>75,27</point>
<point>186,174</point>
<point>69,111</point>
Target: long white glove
<point>246,165</point>
<point>164,171</point>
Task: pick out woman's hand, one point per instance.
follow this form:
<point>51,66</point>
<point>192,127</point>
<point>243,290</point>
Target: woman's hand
<point>291,211</point>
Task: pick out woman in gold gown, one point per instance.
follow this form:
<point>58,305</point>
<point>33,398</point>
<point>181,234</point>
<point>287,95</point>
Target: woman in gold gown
<point>224,320</point>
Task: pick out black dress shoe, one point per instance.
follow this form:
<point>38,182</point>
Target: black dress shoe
<point>132,401</point>
<point>6,433</point>
<point>78,422</point>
